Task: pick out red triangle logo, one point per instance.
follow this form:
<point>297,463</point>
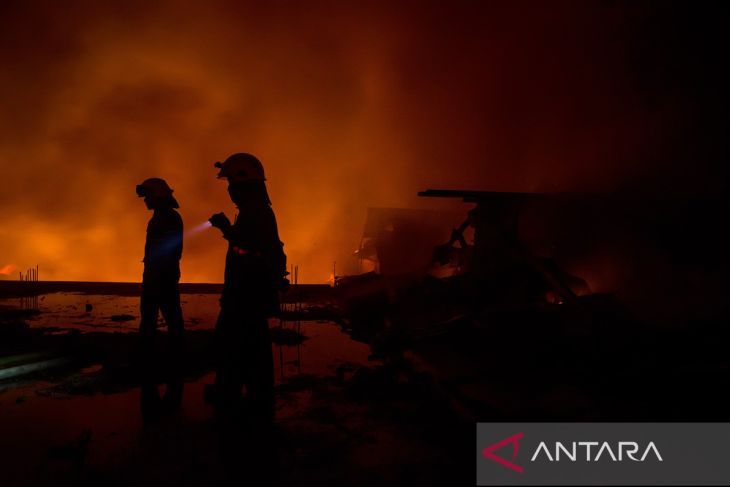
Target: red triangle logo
<point>488,452</point>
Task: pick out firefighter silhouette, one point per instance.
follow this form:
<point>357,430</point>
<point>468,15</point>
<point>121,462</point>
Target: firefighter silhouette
<point>160,293</point>
<point>254,274</point>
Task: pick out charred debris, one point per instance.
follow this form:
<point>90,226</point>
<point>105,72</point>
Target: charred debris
<point>497,308</point>
<point>505,330</point>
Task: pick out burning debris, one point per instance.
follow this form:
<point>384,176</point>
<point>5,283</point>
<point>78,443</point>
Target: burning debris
<point>505,272</point>
<point>483,268</point>
<point>483,288</point>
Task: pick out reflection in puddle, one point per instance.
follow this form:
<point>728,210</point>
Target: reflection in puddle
<point>70,409</point>
<point>324,348</point>
<point>338,416</point>
<point>90,312</point>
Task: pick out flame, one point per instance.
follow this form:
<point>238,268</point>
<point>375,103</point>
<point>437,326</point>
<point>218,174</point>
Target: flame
<point>347,106</point>
<point>8,269</point>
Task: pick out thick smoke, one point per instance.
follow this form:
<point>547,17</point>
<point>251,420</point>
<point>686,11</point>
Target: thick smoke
<point>348,105</point>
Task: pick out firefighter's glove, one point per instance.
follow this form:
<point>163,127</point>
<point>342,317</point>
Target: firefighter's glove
<point>221,221</point>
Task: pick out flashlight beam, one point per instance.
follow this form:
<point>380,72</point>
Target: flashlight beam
<point>198,228</point>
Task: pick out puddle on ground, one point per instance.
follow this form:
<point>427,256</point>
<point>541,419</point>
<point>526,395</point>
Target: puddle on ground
<point>92,312</point>
<point>333,419</point>
<point>33,418</point>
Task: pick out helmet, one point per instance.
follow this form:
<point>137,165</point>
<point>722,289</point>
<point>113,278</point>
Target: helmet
<point>241,167</point>
<point>154,188</point>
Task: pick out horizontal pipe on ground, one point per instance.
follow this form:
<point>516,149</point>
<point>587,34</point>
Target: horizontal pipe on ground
<point>31,367</point>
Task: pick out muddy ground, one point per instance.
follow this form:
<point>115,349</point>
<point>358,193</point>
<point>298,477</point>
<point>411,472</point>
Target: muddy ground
<point>342,418</point>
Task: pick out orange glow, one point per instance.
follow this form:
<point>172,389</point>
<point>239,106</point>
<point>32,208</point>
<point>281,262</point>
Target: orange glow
<point>8,269</point>
<point>348,106</point>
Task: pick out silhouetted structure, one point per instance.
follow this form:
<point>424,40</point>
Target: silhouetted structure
<point>31,275</point>
<point>30,301</point>
<point>503,269</point>
<point>400,240</point>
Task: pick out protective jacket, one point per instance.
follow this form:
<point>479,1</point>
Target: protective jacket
<point>255,262</point>
<point>164,244</point>
<point>160,292</point>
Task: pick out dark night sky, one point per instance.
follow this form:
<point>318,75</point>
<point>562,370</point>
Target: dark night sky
<point>348,104</point>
